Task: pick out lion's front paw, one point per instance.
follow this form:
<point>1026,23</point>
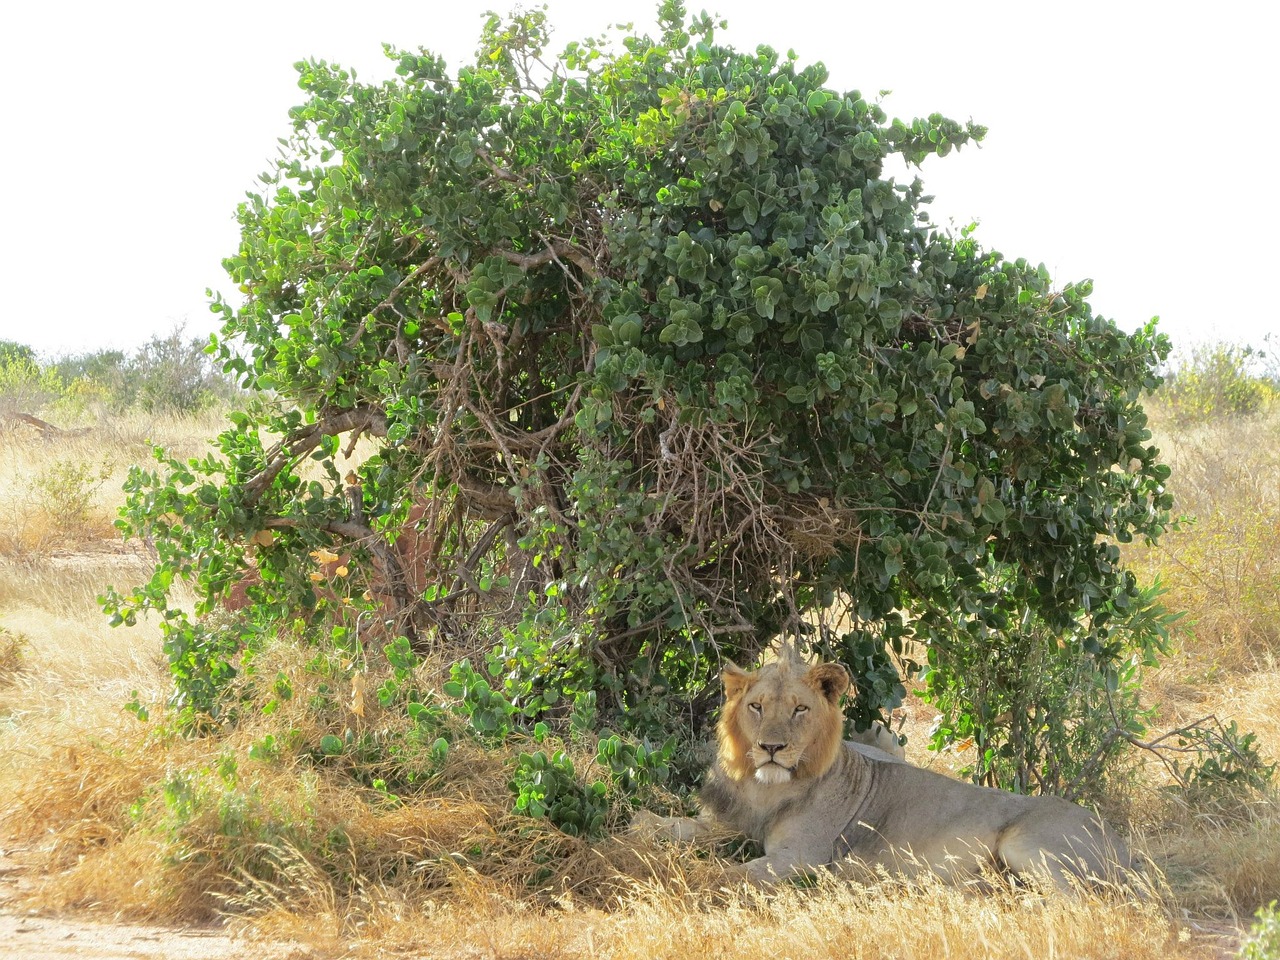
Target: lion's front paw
<point>645,823</point>
<point>651,826</point>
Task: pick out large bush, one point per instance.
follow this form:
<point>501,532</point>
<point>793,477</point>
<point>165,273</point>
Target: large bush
<point>658,364</point>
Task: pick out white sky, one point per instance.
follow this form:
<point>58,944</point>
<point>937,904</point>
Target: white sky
<point>1134,143</point>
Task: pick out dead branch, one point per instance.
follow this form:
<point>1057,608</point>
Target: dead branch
<point>500,173</point>
<point>44,426</point>
<point>48,430</point>
<point>358,534</point>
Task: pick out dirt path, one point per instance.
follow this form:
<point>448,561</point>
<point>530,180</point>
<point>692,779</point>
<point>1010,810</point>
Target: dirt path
<point>30,935</point>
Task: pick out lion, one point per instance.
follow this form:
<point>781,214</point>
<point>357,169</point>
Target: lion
<point>785,777</point>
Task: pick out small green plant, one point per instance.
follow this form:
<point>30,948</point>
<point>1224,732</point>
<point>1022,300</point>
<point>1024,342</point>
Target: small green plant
<point>181,795</point>
<point>12,653</point>
<point>1264,936</point>
<point>282,692</point>
<point>137,708</point>
<point>635,765</point>
<point>271,748</point>
<point>539,663</point>
<point>65,491</point>
<point>399,687</point>
<point>492,716</point>
<point>548,787</point>
<point>1226,762</point>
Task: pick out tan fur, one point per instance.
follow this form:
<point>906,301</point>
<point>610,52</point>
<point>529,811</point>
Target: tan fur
<point>785,778</point>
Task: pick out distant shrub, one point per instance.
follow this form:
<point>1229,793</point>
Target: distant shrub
<point>167,374</point>
<point>11,350</point>
<point>96,379</point>
<point>1217,380</point>
<point>25,386</point>
<point>173,373</point>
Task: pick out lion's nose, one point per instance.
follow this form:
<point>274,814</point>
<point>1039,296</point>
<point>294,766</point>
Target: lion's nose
<point>771,748</point>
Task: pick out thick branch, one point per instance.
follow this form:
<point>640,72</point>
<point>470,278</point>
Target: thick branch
<point>550,254</point>
<point>364,419</point>
<point>464,573</point>
<point>392,569</point>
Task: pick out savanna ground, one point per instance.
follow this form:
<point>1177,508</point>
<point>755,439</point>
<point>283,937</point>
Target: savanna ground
<point>117,835</point>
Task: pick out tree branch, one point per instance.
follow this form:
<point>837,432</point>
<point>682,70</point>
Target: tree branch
<point>551,254</point>
<point>365,419</point>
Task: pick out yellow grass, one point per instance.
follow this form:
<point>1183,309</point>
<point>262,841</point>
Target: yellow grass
<point>113,815</point>
<point>1222,567</point>
<point>837,921</point>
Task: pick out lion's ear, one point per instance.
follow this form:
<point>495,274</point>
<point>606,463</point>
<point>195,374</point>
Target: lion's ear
<point>829,679</point>
<point>735,680</point>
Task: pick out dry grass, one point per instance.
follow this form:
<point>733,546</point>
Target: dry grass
<point>12,647</point>
<point>165,827</point>
<point>59,491</point>
<point>1222,568</point>
<point>114,815</point>
<point>836,921</point>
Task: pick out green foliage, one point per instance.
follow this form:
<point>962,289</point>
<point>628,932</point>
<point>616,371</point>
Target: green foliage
<point>548,787</point>
<point>491,715</point>
<point>66,489</point>
<point>1264,936</point>
<point>1226,764</point>
<point>635,766</point>
<point>25,385</point>
<point>1217,380</point>
<point>1048,712</point>
<point>662,366</point>
<point>540,666</point>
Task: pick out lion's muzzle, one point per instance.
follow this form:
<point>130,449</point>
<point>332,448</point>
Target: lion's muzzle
<point>770,768</point>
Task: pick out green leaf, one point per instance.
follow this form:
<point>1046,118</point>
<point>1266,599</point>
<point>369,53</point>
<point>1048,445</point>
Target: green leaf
<point>463,155</point>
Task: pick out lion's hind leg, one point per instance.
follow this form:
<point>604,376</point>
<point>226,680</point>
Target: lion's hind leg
<point>1087,857</point>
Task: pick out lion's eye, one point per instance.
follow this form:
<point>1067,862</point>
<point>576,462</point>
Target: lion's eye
<point>753,707</point>
<point>801,709</point>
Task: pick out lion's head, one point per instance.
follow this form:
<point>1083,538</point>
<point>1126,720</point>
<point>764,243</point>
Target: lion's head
<point>781,721</point>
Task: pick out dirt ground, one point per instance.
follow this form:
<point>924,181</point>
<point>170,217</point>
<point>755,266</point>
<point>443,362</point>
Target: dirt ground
<point>29,935</point>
